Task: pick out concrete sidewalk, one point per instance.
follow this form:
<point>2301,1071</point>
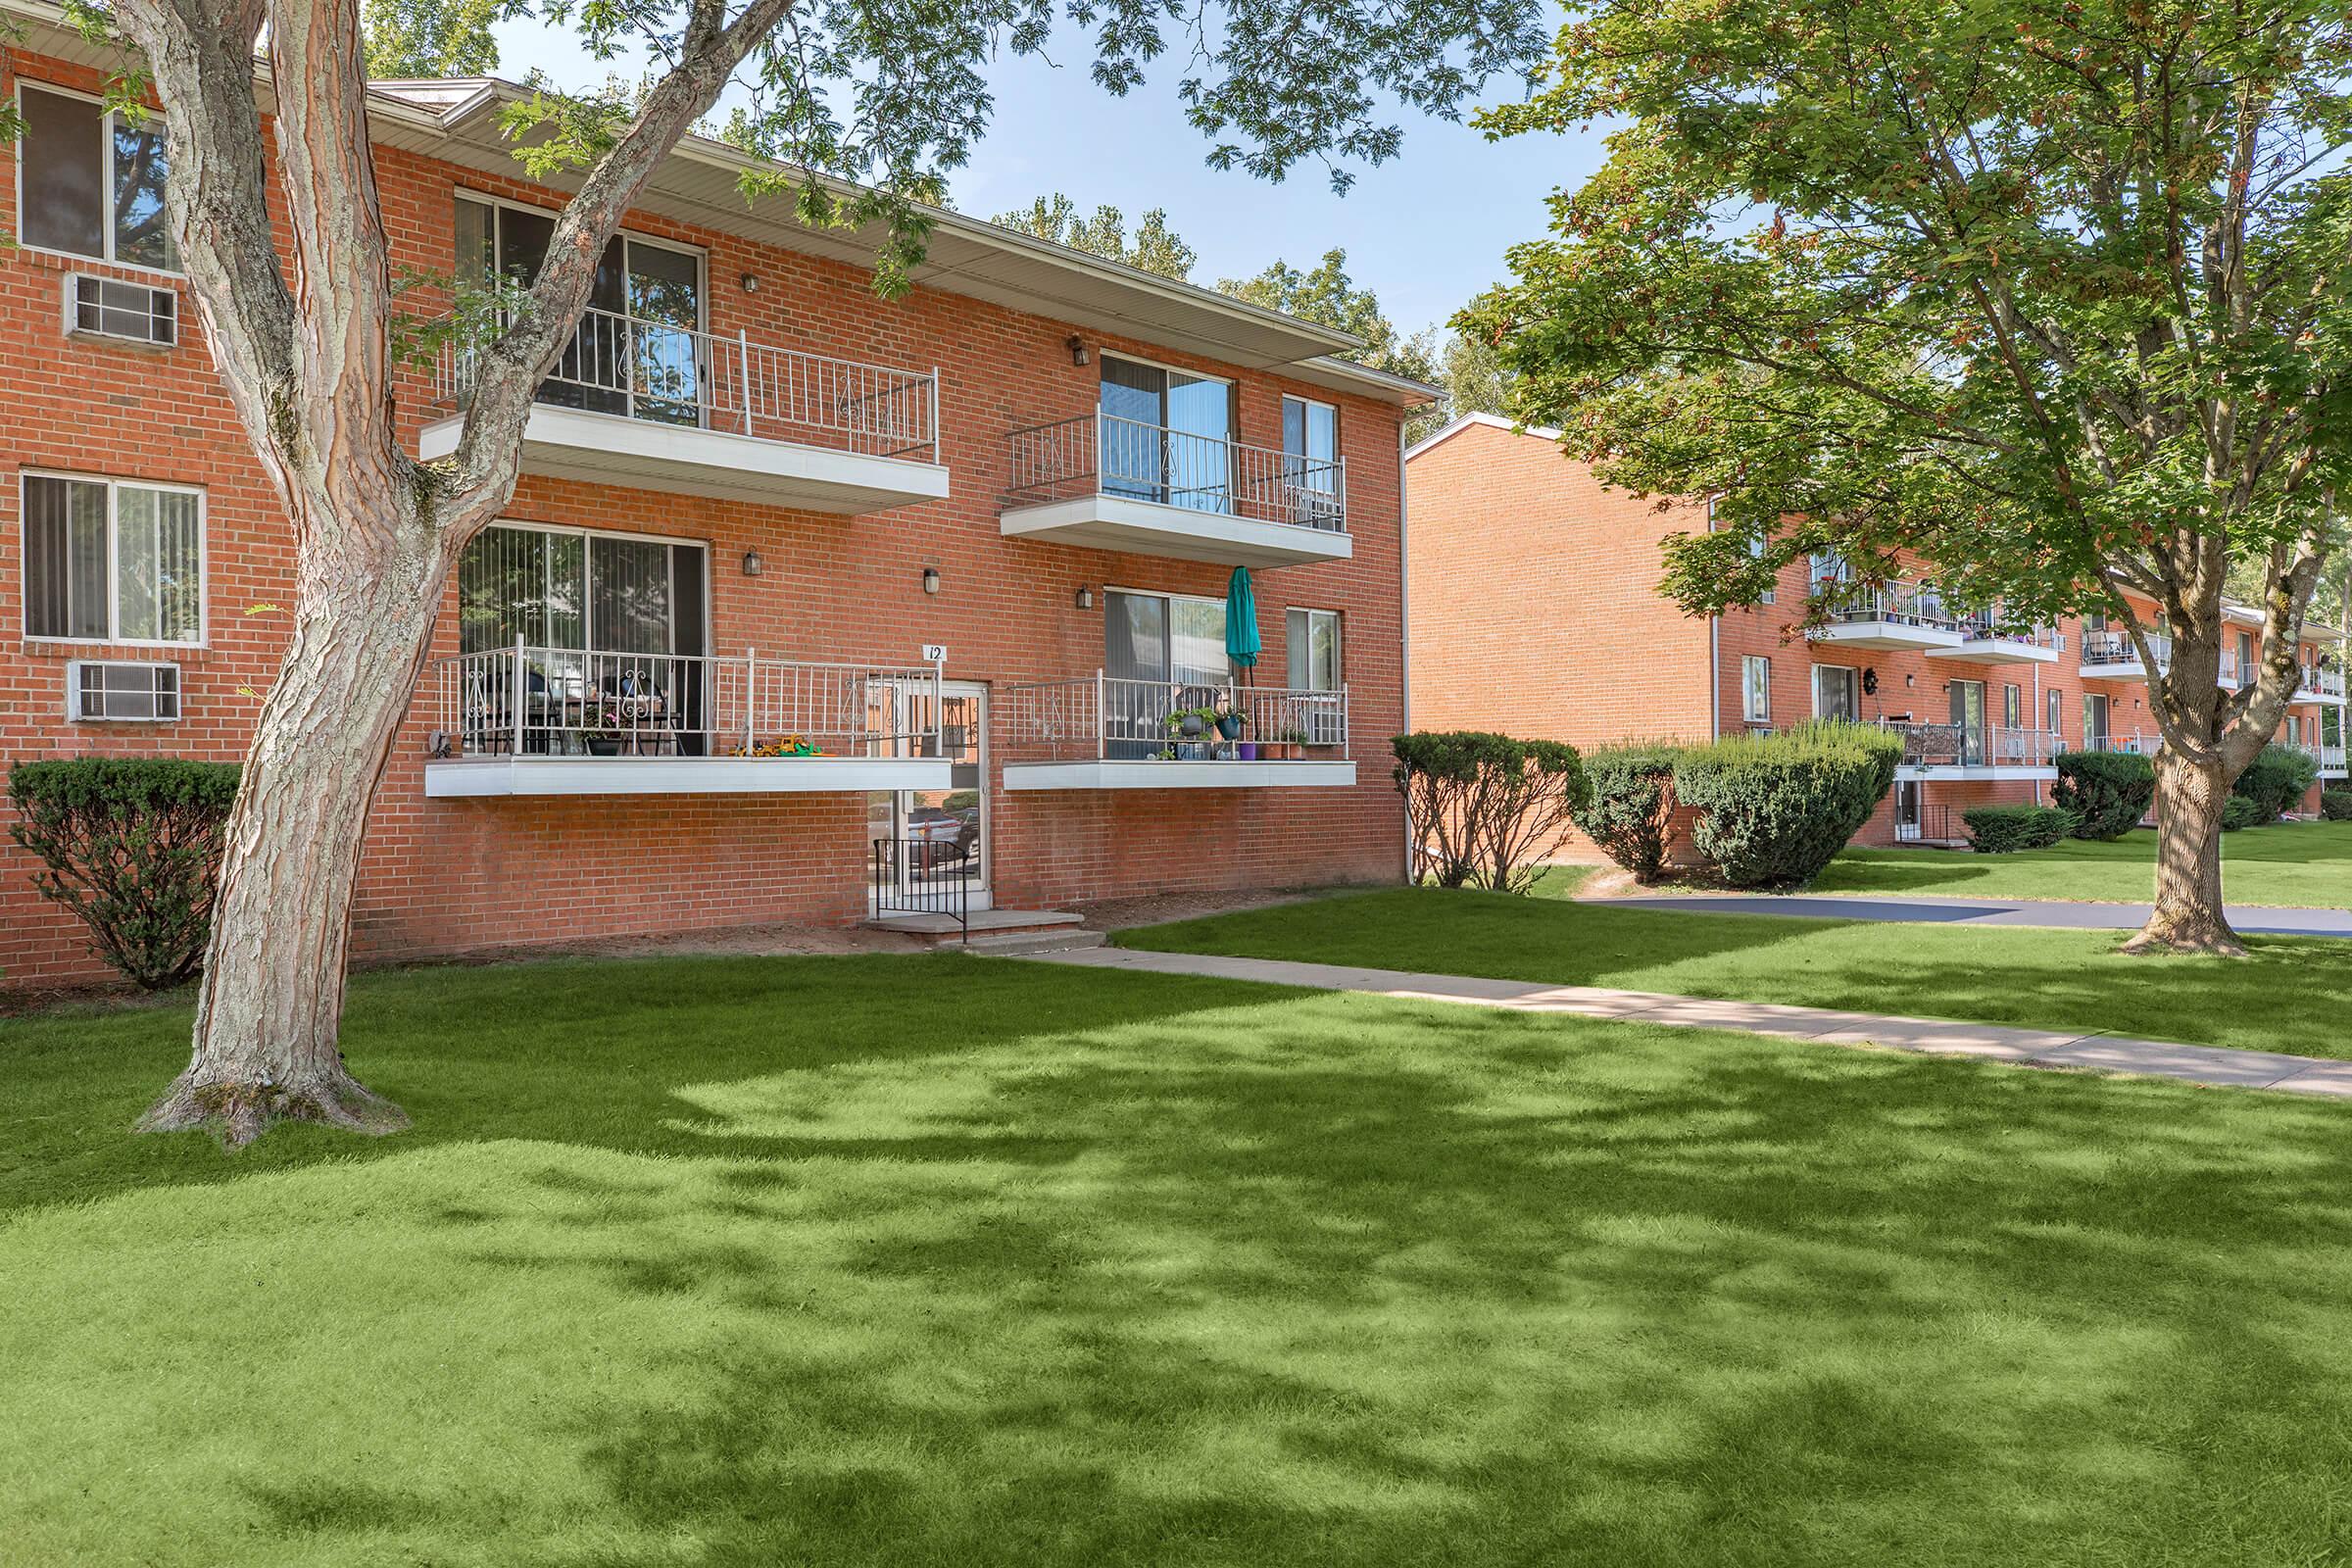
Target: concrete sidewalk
<point>2040,1047</point>
<point>1941,909</point>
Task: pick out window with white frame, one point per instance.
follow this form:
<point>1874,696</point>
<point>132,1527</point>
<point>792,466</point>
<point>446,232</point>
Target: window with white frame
<point>1837,692</point>
<point>112,561</point>
<point>90,180</point>
<point>2057,716</point>
<point>1311,440</point>
<point>1312,638</point>
<point>1755,689</point>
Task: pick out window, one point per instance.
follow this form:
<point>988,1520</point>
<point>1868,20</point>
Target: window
<point>1165,435</point>
<point>92,182</point>
<point>2013,707</point>
<point>1836,693</point>
<point>108,560</point>
<point>2094,720</point>
<point>2245,657</point>
<point>1755,550</point>
<point>634,352</point>
<point>1755,689</point>
<point>1312,637</point>
<point>2057,705</point>
<point>1166,651</point>
<point>1311,440</point>
<point>566,590</point>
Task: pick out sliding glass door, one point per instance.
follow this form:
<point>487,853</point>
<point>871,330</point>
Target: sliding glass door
<point>1165,435</point>
<point>606,621</point>
<point>635,352</point>
<point>1161,652</point>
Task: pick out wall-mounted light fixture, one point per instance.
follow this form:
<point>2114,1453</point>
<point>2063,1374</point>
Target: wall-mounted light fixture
<point>1078,353</point>
<point>1910,681</point>
<point>930,579</point>
<point>751,282</point>
<point>1086,599</point>
<point>753,566</point>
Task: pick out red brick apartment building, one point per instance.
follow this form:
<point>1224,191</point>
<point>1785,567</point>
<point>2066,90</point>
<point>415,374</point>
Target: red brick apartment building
<point>973,547</point>
<point>1534,610</point>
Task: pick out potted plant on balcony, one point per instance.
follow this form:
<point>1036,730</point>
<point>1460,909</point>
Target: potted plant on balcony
<point>602,735</point>
<point>1189,726</point>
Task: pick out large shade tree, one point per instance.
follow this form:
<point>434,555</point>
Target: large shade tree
<point>2048,294</point>
<point>300,306</point>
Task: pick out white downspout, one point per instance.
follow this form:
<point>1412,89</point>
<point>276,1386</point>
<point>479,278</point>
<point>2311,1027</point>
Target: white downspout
<point>1405,624</point>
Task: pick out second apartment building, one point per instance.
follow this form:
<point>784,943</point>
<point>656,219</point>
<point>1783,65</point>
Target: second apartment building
<point>1534,611</point>
<point>807,603</point>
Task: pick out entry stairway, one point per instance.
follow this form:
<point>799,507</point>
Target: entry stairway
<point>997,931</point>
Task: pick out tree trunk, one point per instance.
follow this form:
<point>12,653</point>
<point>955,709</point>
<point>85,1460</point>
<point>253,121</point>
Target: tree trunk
<point>272,996</point>
<point>2188,916</point>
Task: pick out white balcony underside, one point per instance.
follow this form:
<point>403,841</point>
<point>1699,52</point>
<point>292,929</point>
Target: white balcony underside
<point>2138,672</point>
<point>645,454</point>
<point>1154,775</point>
<point>479,778</point>
<point>2320,699</point>
<point>1997,651</point>
<point>1152,528</point>
<point>1988,772</point>
<point>1889,636</point>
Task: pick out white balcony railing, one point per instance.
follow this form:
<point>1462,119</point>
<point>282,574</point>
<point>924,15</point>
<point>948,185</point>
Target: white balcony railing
<point>1111,719</point>
<point>2318,682</point>
<point>1906,604</point>
<point>1973,745</point>
<point>667,374</point>
<point>568,702</point>
<point>2111,649</point>
<point>1103,454</point>
<point>1985,626</point>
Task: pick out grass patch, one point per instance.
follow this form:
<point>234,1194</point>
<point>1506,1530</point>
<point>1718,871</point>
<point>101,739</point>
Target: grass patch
<point>2289,996</point>
<point>2303,864</point>
<point>932,1261</point>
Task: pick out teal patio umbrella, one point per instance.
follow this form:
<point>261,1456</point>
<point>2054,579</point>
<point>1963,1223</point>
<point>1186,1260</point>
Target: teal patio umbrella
<point>1242,644</point>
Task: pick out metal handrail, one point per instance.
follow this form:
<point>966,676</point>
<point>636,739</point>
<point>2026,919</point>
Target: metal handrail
<point>1947,745</point>
<point>1985,626</point>
<point>1107,454</point>
<point>572,702</point>
<point>669,375</point>
<point>1910,603</point>
<point>1111,718</point>
<point>2104,647</point>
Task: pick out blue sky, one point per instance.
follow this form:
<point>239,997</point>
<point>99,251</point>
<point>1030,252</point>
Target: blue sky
<point>1426,230</point>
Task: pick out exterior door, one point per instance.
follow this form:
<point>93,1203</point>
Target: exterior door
<point>950,825</point>
<point>1968,720</point>
<point>1907,813</point>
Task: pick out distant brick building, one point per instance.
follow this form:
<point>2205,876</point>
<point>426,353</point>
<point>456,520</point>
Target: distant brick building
<point>1535,610</point>
<point>755,498</point>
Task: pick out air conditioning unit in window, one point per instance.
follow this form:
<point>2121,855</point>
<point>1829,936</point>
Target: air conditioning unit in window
<point>134,312</point>
<point>118,692</point>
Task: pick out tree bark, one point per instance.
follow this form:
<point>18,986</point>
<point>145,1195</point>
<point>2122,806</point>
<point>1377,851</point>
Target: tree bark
<point>272,996</point>
<point>2189,916</point>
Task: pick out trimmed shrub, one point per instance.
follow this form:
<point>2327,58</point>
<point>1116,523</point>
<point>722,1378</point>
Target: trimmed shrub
<point>132,845</point>
<point>2108,792</point>
<point>1632,810</point>
<point>2007,829</point>
<point>1775,809</point>
<point>2238,811</point>
<point>2277,779</point>
<point>2336,805</point>
<point>1481,807</point>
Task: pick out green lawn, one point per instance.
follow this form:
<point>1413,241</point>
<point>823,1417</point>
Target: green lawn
<point>945,1261</point>
<point>2304,863</point>
<point>2295,994</point>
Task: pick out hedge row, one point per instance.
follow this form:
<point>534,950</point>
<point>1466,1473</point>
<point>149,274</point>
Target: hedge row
<point>1773,811</point>
<point>2277,779</point>
<point>2108,792</point>
<point>132,845</point>
<point>2007,829</point>
<point>2336,805</point>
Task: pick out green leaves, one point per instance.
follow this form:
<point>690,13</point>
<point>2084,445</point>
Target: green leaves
<point>2051,293</point>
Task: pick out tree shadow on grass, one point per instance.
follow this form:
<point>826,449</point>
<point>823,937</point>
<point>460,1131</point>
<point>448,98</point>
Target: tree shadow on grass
<point>1360,1282</point>
<point>571,1052</point>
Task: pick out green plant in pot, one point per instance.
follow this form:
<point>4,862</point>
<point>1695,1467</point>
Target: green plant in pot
<point>603,733</point>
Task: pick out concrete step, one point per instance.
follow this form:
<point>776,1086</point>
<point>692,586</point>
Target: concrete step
<point>936,925</point>
<point>1001,943</point>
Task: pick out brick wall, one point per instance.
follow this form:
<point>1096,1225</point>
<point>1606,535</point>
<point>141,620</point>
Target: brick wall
<point>1534,611</point>
<point>442,874</point>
